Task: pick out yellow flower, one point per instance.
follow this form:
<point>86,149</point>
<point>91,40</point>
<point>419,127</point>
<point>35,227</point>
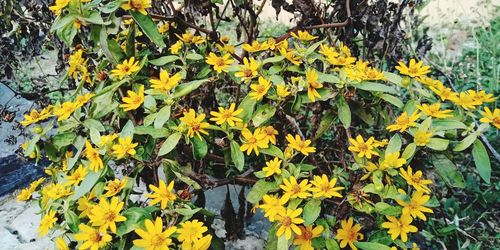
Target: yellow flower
<point>291,55</point>
<point>400,227</point>
<point>481,96</point>
<point>328,51</point>
<point>92,238</point>
<point>58,6</point>
<point>252,142</point>
<point>24,195</point>
<point>226,115</point>
<point>61,244</point>
<point>323,187</point>
<point>404,121</point>
<point>312,84</point>
<point>126,68</point>
<point>254,47</point>
<point>370,73</point>
<point>491,117</point>
<point>176,47</point>
<point>248,70</point>
<point>93,156</point>
<point>163,27</point>
<point>392,160</point>
<point>166,82</point>
<point>288,223</point>
<point>124,147</point>
<point>47,222</point>
<point>133,100</point>
<point>414,69</point>
<point>422,137</point>
<point>349,233</point>
<point>272,167</point>
<point>195,123</point>
<point>292,189</point>
<point>341,60</point>
<point>85,204</point>
<point>190,231</point>
<point>106,214</point>
<point>304,240</point>
<point>429,82</point>
<point>35,116</point>
<point>259,90</point>
<point>303,35</point>
<point>77,176</point>
<point>189,38</point>
<point>220,63</point>
<point>270,134</point>
<point>416,207</point>
<point>466,101</point>
<point>114,187</point>
<point>362,147</point>
<point>199,244</point>
<point>300,145</point>
<point>282,90</point>
<point>55,191</point>
<point>443,92</point>
<point>107,140</point>
<point>162,194</point>
<point>82,99</point>
<point>137,5</point>
<point>433,110</point>
<point>415,180</point>
<point>273,205</point>
<point>63,111</point>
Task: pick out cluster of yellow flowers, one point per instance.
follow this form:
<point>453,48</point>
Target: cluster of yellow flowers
<point>295,192</point>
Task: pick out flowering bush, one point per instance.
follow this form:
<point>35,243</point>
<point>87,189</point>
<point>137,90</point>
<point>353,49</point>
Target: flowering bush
<point>337,152</point>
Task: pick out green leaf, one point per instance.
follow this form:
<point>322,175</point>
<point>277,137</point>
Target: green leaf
<point>200,147</point>
<point>448,171</point>
<point>63,139</point>
<point>392,100</point>
<point>273,59</point>
<point>248,105</point>
<point>194,57</point>
<point>111,6</point>
<point>135,218</point>
<point>465,143</point>
<point>127,130</point>
<point>79,143</point>
<point>312,209</point>
<point>409,151</point>
<point>394,144</point>
<point>149,27</point>
<point>371,246</point>
<point>482,160</point>
<point>162,117</point>
<point>332,244</point>
<point>325,124</point>
<point>104,45</point>
<point>375,87</point>
<point>94,18</point>
<point>440,125</point>
<point>237,155</point>
<point>95,124</point>
<point>186,88</point>
<point>438,144</point>
<point>344,112</point>
<point>259,189</point>
<point>282,243</point>
<point>262,114</point>
<point>394,78</point>
<point>386,209</point>
<point>273,151</point>
<point>87,184</point>
<point>322,77</point>
<point>164,60</point>
<point>61,22</point>
<point>72,220</point>
<point>169,143</point>
<point>150,130</point>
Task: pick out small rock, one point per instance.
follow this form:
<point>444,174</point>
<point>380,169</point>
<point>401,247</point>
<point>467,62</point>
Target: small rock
<point>9,241</point>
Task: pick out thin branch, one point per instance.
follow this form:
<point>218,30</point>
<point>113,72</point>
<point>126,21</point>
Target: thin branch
<point>319,26</point>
